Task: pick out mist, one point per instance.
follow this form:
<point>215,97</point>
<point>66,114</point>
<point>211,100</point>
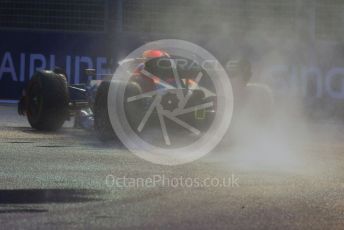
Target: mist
<point>294,48</point>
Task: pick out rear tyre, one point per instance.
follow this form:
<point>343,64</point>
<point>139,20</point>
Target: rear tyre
<point>134,109</point>
<point>102,124</point>
<point>47,101</point>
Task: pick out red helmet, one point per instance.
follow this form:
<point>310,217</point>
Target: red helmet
<point>154,54</point>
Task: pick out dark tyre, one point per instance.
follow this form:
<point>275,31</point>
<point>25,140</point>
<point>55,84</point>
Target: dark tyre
<point>47,101</point>
<point>134,110</point>
<point>102,124</point>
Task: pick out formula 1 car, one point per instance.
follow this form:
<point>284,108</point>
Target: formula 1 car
<point>49,100</point>
<point>166,109</point>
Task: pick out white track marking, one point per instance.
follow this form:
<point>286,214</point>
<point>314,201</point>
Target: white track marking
<point>192,109</point>
<point>163,126</point>
<point>182,123</point>
<point>148,113</point>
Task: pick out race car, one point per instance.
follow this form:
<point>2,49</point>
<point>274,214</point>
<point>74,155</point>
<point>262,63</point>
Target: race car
<point>48,100</point>
<point>157,103</point>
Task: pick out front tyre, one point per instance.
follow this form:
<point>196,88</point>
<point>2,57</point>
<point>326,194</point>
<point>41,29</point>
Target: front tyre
<point>47,101</point>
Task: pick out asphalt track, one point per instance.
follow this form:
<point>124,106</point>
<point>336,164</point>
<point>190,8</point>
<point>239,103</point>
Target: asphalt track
<point>61,181</point>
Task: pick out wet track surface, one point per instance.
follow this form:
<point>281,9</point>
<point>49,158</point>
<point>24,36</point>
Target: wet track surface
<point>58,181</point>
